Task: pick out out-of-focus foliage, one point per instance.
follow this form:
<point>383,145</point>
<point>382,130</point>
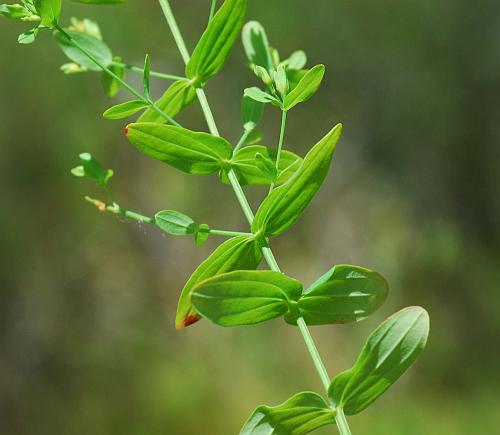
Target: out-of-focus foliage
<point>87,338</point>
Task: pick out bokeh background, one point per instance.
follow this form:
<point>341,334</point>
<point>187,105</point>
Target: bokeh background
<point>87,342</point>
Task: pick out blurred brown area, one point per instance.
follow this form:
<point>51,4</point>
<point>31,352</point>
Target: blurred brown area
<point>87,342</point>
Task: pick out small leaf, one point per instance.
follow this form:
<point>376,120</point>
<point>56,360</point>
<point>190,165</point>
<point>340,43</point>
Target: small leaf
<point>216,43</point>
<point>29,36</point>
<point>175,223</point>
<point>110,84</point>
<point>285,204</point>
<point>389,351</point>
<point>125,110</point>
<point>245,297</point>
<point>306,88</point>
<point>344,294</point>
<point>251,112</point>
<point>296,61</point>
<point>179,95</point>
<point>301,414</point>
<point>259,95</point>
<point>186,150</point>
<point>244,163</point>
<point>202,234</point>
<point>256,45</point>
<point>262,74</point>
<point>238,253</point>
<point>145,77</point>
<point>49,11</point>
<point>92,169</point>
<point>14,11</point>
<point>90,43</point>
<point>280,80</point>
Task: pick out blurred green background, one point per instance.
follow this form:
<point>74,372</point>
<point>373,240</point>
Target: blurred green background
<point>87,342</point>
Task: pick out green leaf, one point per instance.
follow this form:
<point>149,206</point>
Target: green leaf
<point>214,47</point>
<point>254,137</point>
<point>124,110</point>
<point>390,350</point>
<point>306,87</point>
<point>248,171</point>
<point>238,253</point>
<point>303,413</point>
<point>256,45</point>
<point>202,234</point>
<point>280,80</point>
<point>29,36</point>
<point>145,77</point>
<point>295,76</point>
<point>175,223</point>
<point>259,95</point>
<point>284,205</point>
<point>263,74</point>
<point>90,43</point>
<point>179,95</point>
<point>91,168</point>
<point>245,297</point>
<point>344,294</point>
<point>266,166</point>
<point>251,112</point>
<point>188,151</point>
<point>14,11</point>
<point>296,61</point>
<point>49,11</point>
<point>110,84</point>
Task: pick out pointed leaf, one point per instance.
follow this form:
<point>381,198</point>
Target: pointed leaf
<point>125,110</point>
<point>216,43</point>
<point>90,43</point>
<point>303,413</point>
<point>145,76</point>
<point>179,95</point>
<point>390,350</point>
<point>248,171</point>
<point>245,297</point>
<point>344,294</point>
<point>259,95</point>
<point>175,223</point>
<point>238,253</point>
<point>256,45</point>
<point>49,11</point>
<point>306,87</point>
<point>285,204</point>
<point>186,150</point>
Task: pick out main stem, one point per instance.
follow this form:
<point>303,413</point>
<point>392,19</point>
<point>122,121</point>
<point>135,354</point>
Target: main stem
<point>342,422</point>
<point>267,252</point>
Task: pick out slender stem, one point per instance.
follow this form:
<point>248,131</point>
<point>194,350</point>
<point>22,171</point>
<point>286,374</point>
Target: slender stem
<point>267,252</point>
<point>228,233</point>
<point>116,209</point>
<point>242,140</point>
<point>152,73</point>
<point>117,78</point>
<point>342,422</point>
<point>212,10</point>
<point>280,144</point>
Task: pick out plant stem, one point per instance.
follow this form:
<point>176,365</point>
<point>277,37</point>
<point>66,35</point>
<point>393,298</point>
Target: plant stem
<point>280,144</point>
<point>228,233</point>
<point>212,10</point>
<point>342,422</point>
<point>242,140</point>
<point>267,252</point>
<point>112,74</point>
<point>152,73</point>
<point>116,209</point>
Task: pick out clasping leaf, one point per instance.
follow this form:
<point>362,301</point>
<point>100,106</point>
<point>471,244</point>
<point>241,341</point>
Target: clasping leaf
<point>238,253</point>
<point>214,47</point>
<point>245,297</point>
<point>285,204</point>
<point>301,414</point>
<point>344,294</point>
<point>305,88</point>
<point>390,350</point>
<point>188,151</point>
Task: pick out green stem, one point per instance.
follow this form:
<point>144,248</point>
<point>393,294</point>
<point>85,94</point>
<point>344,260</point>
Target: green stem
<point>228,233</point>
<point>116,209</point>
<point>267,252</point>
<point>152,73</point>
<point>280,144</point>
<point>242,140</point>
<point>112,74</point>
<point>212,10</point>
<point>342,422</point>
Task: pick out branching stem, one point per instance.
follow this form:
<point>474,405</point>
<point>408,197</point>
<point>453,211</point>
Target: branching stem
<point>267,252</point>
<point>280,144</point>
<point>152,73</point>
<point>112,74</point>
